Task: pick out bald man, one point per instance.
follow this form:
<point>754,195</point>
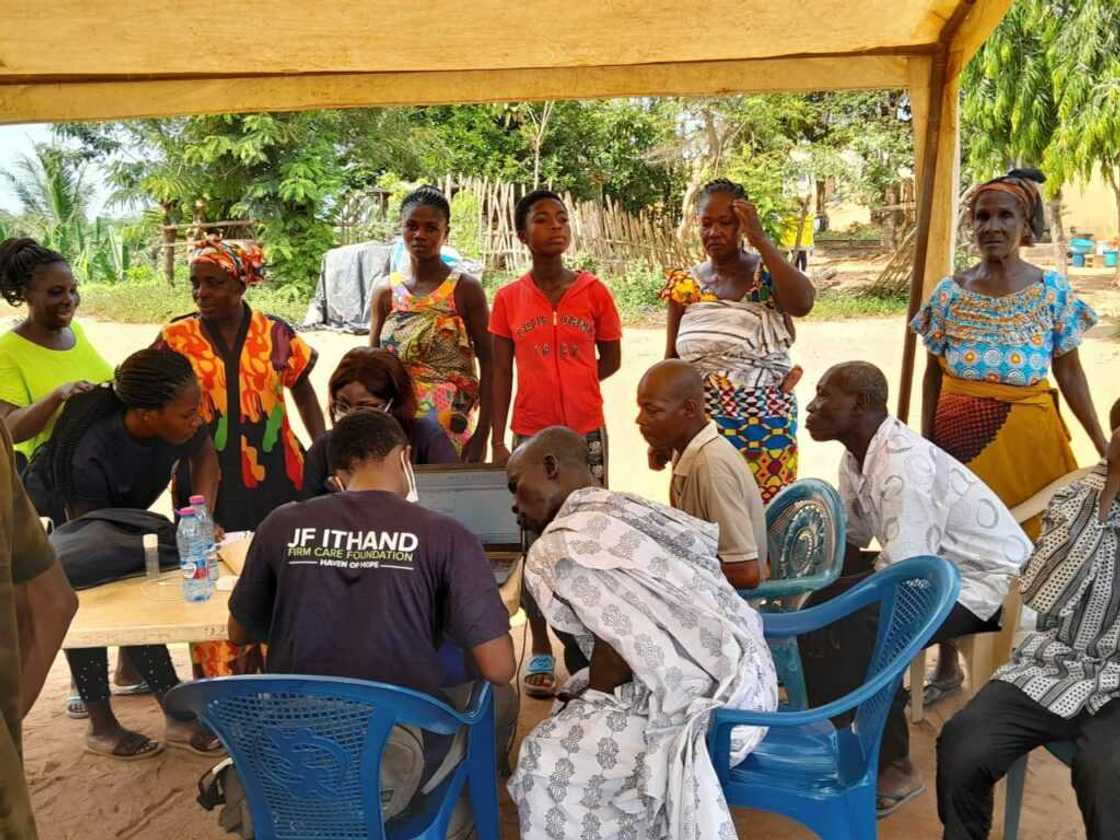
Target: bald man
<point>710,480</point>
<point>913,499</point>
<point>639,586</point>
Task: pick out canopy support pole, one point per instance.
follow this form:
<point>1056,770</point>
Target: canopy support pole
<point>934,95</point>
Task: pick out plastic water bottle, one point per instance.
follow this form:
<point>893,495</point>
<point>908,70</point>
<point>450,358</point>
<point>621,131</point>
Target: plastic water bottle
<point>206,527</point>
<point>197,585</point>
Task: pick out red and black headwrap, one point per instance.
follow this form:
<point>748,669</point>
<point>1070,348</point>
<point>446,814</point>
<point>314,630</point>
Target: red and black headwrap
<point>1023,185</point>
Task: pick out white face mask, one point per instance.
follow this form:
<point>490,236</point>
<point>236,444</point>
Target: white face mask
<point>406,465</point>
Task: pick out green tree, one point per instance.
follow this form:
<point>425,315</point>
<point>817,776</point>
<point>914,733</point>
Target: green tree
<point>1083,47</point>
<point>54,195</point>
<point>1010,108</point>
<point>51,187</point>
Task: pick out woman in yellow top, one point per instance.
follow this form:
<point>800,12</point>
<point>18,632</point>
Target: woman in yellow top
<point>46,358</point>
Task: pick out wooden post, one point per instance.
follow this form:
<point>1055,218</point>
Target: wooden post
<point>935,109</point>
<point>170,235</point>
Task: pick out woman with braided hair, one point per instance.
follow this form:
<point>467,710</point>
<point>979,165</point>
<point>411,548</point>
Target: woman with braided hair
<point>992,333</point>
<point>46,358</point>
<point>731,317</point>
<point>436,319</point>
<point>115,446</point>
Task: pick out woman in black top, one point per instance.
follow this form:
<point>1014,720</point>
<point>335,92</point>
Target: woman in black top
<point>116,447</point>
<point>369,377</point>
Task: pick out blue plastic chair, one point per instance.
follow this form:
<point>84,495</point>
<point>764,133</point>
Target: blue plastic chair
<point>805,535</point>
<point>308,751</point>
<point>807,769</point>
<point>1017,782</point>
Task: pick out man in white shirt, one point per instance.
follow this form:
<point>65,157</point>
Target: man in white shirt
<point>710,479</point>
<point>913,499</point>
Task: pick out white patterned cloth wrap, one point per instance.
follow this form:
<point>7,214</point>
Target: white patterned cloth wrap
<point>745,341</point>
<point>633,764</point>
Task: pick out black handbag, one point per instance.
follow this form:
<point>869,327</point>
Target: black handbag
<point>107,545</point>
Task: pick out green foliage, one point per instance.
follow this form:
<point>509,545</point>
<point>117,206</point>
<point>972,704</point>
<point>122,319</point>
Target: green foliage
<point>839,304</point>
<point>146,299</point>
<point>1083,47</point>
<point>636,290</point>
<point>466,232</point>
<point>54,195</point>
<point>1009,106</point>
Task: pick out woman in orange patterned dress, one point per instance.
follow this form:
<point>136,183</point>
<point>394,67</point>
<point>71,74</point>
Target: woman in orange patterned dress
<point>244,360</point>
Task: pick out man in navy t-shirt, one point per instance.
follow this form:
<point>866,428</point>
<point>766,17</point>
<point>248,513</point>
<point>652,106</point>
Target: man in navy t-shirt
<point>366,584</point>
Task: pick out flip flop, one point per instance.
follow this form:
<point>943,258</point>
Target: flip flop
<point>133,690</point>
<point>887,805</point>
<point>542,664</point>
<point>200,743</point>
<point>149,748</point>
<point>936,690</point>
<point>76,708</point>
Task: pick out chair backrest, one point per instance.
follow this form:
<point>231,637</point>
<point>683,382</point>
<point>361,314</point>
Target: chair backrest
<point>308,749</point>
<point>805,533</point>
<point>914,597</point>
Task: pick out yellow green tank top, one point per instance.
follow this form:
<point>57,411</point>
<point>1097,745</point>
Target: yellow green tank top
<point>29,372</point>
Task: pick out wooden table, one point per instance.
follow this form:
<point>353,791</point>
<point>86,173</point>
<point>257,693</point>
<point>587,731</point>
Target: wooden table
<point>137,611</point>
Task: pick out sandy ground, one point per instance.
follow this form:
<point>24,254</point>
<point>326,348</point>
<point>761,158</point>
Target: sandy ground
<point>80,796</point>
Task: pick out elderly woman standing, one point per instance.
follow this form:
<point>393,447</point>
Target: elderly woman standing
<point>731,317</point>
<point>244,361</point>
<point>992,334</point>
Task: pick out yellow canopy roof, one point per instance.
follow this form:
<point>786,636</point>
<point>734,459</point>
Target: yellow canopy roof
<point>89,59</point>
<point>84,59</point>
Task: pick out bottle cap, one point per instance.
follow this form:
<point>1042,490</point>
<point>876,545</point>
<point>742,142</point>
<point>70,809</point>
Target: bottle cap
<point>151,541</point>
<point>187,511</point>
<point>198,500</point>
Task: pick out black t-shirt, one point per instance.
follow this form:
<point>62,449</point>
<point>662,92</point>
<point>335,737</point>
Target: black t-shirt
<point>429,442</point>
<point>366,585</point>
<point>112,469</point>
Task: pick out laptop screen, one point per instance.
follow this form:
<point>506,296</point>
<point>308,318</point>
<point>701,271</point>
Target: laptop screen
<point>475,495</point>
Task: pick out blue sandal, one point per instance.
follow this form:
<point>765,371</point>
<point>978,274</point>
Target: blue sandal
<point>543,667</point>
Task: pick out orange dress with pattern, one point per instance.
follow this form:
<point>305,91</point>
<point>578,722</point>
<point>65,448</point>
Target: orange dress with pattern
<point>261,458</point>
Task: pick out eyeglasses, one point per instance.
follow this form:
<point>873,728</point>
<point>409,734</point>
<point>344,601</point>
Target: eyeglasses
<point>341,408</point>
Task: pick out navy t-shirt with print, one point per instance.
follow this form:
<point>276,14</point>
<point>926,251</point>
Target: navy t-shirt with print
<point>366,585</point>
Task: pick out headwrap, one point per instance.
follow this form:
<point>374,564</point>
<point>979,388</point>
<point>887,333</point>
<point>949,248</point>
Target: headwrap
<point>241,260</point>
<point>1022,184</point>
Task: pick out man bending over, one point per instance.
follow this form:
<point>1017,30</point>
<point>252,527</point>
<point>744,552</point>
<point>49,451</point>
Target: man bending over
<point>366,584</point>
<point>913,499</point>
<point>639,585</point>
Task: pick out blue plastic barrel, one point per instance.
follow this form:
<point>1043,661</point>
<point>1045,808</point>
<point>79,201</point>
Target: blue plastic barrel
<point>1078,259</point>
<point>1111,258</point>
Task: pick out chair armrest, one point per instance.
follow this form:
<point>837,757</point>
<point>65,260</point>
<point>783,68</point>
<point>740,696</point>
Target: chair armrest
<point>785,588</point>
<point>724,720</point>
<point>800,622</point>
<point>481,698</point>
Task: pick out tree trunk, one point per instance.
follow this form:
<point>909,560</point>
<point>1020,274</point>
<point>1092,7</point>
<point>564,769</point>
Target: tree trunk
<point>1058,233</point>
<point>695,181</point>
<point>822,203</point>
<point>170,235</point>
<point>1113,175</point>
